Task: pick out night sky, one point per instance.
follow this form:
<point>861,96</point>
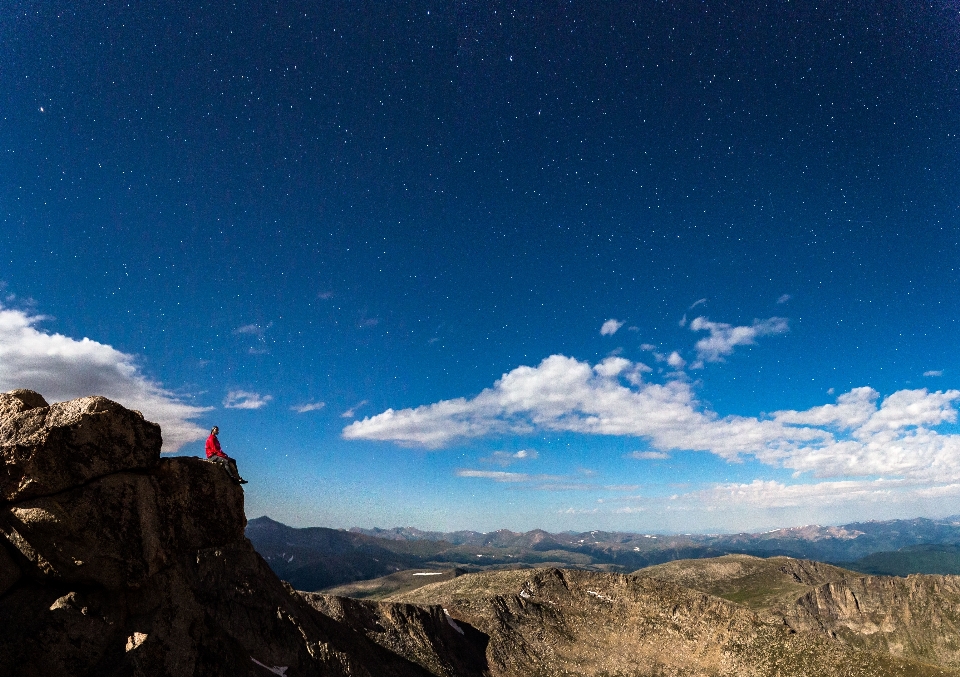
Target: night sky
<point>647,266</point>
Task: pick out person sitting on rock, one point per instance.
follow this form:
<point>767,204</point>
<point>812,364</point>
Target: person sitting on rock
<point>216,455</point>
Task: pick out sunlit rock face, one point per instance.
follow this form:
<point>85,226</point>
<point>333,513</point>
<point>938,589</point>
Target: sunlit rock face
<point>49,448</point>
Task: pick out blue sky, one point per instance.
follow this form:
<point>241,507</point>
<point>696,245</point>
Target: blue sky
<point>648,266</point>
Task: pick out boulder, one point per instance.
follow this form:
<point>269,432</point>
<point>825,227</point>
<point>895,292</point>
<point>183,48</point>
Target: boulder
<point>47,449</point>
<point>143,523</point>
<point>19,401</point>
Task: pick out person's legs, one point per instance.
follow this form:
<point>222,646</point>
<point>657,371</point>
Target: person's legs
<point>233,469</point>
<point>230,466</point>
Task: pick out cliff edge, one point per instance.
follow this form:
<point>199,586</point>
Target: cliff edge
<point>114,561</point>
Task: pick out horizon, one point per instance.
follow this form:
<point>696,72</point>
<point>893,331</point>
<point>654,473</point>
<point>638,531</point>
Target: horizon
<point>952,519</point>
<point>672,267</point>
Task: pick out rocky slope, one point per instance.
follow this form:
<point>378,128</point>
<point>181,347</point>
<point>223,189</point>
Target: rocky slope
<point>549,622</point>
<point>114,561</point>
<point>916,617</point>
<point>767,585</point>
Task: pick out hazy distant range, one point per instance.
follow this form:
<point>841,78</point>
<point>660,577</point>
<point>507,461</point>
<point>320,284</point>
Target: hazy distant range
<point>315,558</point>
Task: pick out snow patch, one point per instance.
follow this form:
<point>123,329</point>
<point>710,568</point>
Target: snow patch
<point>428,573</point>
<point>599,596</point>
<point>453,623</point>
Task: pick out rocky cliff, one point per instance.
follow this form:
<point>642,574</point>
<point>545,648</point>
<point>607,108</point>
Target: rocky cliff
<point>114,561</point>
<point>918,616</point>
<point>550,622</point>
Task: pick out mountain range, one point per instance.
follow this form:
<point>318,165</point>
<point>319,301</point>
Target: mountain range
<point>316,558</point>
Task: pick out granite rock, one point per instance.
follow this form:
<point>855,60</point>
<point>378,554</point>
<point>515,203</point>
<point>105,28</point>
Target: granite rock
<point>47,449</point>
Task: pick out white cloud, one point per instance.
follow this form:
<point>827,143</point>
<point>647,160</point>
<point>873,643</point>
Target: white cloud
<point>502,476</point>
<point>772,494</point>
<point>61,368</point>
<point>610,327</point>
<point>647,346</point>
<point>784,298</point>
<point>852,409</point>
<point>253,329</point>
<point>648,455</point>
<point>241,399</point>
<point>352,411</point>
<point>541,482</point>
<point>724,337</point>
<point>675,361</point>
<point>852,438</point>
<point>505,458</point>
<point>698,302</point>
<point>308,406</point>
<point>933,372</point>
<point>564,394</point>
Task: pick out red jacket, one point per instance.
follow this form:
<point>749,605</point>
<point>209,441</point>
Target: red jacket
<point>213,447</point>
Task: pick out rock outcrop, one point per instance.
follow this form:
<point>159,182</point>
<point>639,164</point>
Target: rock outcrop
<point>918,616</point>
<point>549,622</point>
<point>425,634</point>
<point>114,561</point>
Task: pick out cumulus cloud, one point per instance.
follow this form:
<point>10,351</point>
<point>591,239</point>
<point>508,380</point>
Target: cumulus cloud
<point>858,435</point>
<point>852,409</point>
<point>933,372</point>
<point>675,361</point>
<point>784,298</point>
<point>241,399</point>
<point>308,406</point>
<point>61,368</point>
<point>724,337</point>
<point>610,327</point>
<point>564,394</point>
